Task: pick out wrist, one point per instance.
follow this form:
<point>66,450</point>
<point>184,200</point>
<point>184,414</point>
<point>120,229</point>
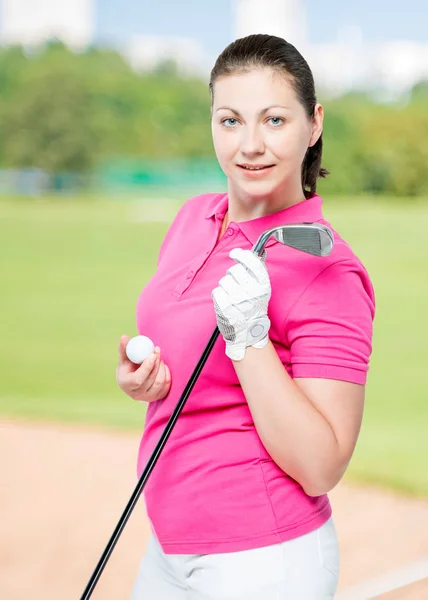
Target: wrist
<point>257,330</point>
<point>262,343</point>
<point>255,335</point>
<point>239,358</point>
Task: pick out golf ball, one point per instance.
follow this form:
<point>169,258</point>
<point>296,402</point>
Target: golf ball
<point>139,348</point>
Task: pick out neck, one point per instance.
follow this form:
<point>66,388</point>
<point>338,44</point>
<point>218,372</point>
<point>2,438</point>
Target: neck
<point>243,207</point>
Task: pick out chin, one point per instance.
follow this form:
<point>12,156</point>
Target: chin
<point>256,189</point>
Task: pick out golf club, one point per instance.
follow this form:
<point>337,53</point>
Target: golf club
<point>312,238</point>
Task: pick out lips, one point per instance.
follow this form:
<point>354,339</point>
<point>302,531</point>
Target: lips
<point>249,167</point>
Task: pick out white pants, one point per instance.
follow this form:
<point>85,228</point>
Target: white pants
<point>305,568</point>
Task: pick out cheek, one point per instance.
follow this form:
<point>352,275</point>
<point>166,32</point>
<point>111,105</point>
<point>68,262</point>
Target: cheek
<point>291,145</point>
<point>224,144</point>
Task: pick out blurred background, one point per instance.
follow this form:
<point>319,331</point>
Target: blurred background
<point>111,96</point>
<point>105,132</point>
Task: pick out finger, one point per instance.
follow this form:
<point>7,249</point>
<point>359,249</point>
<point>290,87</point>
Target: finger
<point>223,305</point>
<point>159,382</point>
<point>244,278</point>
<point>124,339</point>
<point>168,375</point>
<point>151,376</point>
<point>162,385</point>
<point>221,299</point>
<point>249,260</point>
<point>165,386</point>
<point>236,292</point>
<point>154,379</point>
<point>145,370</point>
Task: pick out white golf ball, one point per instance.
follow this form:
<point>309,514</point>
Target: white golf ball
<point>139,348</point>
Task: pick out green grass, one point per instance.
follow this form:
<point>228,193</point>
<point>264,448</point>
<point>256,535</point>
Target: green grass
<point>71,274</point>
<point>390,238</point>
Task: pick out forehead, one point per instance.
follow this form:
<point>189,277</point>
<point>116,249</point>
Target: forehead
<point>256,87</point>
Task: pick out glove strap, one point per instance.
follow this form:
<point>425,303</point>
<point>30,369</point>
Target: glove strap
<point>257,336</point>
<point>257,330</point>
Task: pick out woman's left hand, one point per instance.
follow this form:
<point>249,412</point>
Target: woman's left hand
<point>241,302</point>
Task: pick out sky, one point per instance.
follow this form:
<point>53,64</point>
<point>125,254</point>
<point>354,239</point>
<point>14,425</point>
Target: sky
<point>211,21</point>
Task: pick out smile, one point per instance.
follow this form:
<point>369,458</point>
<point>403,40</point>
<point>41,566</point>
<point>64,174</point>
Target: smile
<point>255,167</point>
<point>256,171</point>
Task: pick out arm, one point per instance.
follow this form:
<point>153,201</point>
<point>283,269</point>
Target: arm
<point>308,426</point>
<point>308,423</point>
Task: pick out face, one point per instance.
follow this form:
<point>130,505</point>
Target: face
<point>261,132</point>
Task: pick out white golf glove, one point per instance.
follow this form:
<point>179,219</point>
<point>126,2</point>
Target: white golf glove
<point>241,302</point>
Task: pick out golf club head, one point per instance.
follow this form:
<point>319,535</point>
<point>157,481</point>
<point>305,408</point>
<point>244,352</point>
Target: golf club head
<point>312,238</point>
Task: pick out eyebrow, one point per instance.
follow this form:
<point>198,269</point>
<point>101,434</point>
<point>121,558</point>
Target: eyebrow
<point>260,112</point>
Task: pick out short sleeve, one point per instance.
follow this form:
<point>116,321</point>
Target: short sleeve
<point>330,327</point>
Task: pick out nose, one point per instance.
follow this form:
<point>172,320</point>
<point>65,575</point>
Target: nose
<point>252,142</point>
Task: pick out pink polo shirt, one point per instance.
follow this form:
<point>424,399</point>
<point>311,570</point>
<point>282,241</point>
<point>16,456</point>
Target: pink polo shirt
<point>215,488</point>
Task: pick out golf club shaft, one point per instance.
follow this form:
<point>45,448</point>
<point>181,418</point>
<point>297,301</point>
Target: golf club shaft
<point>148,469</point>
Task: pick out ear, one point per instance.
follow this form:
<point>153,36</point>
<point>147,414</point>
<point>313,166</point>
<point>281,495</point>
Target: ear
<point>317,123</point>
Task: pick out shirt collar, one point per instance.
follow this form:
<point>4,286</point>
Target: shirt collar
<point>306,211</point>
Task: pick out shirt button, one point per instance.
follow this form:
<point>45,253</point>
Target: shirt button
<point>230,232</point>
<point>190,275</point>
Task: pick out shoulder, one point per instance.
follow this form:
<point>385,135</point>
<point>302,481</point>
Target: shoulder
<point>194,211</point>
<point>338,283</point>
<point>330,320</point>
<point>201,205</point>
<point>313,277</point>
<point>190,214</point>
<point>319,287</point>
<point>343,262</point>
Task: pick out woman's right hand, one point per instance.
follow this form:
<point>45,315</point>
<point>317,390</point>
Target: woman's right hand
<point>147,382</point>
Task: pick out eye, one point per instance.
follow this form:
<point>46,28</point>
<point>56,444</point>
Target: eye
<point>230,122</point>
<point>275,121</point>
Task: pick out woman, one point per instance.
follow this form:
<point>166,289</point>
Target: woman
<point>238,501</point>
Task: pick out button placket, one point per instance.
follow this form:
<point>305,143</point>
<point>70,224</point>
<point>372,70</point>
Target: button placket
<point>199,263</point>
<point>188,277</point>
<point>228,235</point>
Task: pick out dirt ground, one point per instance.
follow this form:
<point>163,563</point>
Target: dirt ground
<point>63,490</point>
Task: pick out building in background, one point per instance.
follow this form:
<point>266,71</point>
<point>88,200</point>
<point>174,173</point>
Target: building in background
<point>346,63</point>
<point>144,52</point>
<point>399,65</point>
<point>31,22</point>
<point>284,18</point>
<point>387,70</point>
